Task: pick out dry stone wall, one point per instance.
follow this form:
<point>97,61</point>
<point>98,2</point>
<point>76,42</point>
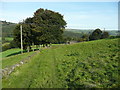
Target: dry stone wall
<point>9,70</point>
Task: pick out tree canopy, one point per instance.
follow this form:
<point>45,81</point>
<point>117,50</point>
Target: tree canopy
<point>104,35</point>
<point>44,27</point>
<point>27,35</point>
<point>98,34</point>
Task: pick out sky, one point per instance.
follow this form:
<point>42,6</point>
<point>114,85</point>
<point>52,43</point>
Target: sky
<point>78,15</point>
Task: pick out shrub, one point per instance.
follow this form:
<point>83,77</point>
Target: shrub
<point>6,46</point>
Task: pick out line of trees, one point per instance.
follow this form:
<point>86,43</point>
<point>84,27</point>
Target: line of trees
<point>44,27</point>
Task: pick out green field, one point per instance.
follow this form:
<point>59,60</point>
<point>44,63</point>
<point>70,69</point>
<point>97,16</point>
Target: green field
<point>10,52</point>
<point>81,65</point>
<point>8,38</point>
<point>12,60</point>
<point>13,56</point>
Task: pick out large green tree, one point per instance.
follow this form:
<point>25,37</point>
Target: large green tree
<point>50,26</point>
<point>44,27</point>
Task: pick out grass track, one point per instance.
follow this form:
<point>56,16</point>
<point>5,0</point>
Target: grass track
<point>87,64</point>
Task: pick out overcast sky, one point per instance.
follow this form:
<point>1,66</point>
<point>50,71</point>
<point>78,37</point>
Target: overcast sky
<point>78,15</point>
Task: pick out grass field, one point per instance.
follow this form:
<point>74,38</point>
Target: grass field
<point>10,52</point>
<point>12,60</point>
<point>81,65</point>
<point>8,38</point>
<point>13,56</point>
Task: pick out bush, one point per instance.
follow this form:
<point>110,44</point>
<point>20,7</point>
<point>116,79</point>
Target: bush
<point>6,46</point>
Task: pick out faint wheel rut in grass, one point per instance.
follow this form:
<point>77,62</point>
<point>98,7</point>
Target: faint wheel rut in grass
<point>9,70</point>
<point>47,75</point>
<point>54,70</point>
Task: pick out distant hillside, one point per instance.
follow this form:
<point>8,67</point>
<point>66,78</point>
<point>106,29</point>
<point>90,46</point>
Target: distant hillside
<point>75,33</point>
<point>80,31</point>
<point>7,28</point>
<point>111,32</point>
<point>72,34</point>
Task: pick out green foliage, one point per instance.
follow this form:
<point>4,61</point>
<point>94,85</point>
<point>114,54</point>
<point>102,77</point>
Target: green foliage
<point>91,64</point>
<point>98,34</point>
<point>95,35</point>
<point>6,46</point>
<point>85,37</point>
<point>105,35</point>
<point>6,39</point>
<point>26,35</point>
<point>44,27</point>
<point>13,44</point>
<point>50,26</point>
<point>8,43</point>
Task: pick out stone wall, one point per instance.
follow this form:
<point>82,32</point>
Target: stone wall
<point>9,70</point>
